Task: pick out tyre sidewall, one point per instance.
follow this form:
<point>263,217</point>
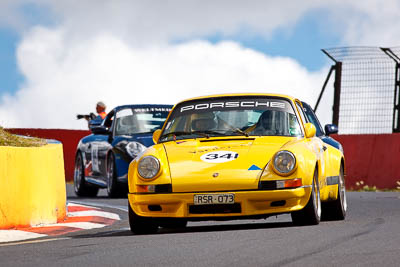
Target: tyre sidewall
<point>79,175</point>
<point>111,177</point>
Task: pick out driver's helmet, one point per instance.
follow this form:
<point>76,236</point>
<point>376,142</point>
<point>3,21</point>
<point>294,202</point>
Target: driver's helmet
<point>265,120</point>
<point>203,121</point>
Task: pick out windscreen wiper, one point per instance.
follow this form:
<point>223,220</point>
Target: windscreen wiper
<point>237,130</point>
<point>185,133</point>
<point>234,129</point>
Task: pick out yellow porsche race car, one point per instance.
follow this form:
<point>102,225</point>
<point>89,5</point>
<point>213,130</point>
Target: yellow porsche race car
<point>236,156</point>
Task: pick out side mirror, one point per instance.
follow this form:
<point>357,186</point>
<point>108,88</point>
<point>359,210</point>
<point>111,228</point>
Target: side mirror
<point>331,129</point>
<point>156,136</point>
<point>310,130</point>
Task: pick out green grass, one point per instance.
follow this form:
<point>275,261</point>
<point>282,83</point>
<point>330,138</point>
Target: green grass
<point>8,139</point>
<point>360,186</point>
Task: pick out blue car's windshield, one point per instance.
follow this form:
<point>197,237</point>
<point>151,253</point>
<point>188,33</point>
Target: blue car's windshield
<point>139,120</point>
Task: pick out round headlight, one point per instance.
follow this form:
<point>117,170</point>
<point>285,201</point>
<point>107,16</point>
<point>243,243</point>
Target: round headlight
<point>148,167</point>
<point>134,148</point>
<point>284,162</point>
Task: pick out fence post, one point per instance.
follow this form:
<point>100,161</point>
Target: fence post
<point>336,96</point>
<point>396,104</point>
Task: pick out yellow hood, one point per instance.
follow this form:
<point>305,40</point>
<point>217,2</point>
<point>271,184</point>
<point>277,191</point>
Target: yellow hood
<point>219,164</point>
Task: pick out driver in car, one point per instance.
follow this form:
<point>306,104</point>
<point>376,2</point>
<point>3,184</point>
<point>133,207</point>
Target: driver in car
<point>264,126</point>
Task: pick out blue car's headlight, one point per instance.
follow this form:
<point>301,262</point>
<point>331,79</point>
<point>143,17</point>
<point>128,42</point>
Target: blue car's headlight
<point>284,162</point>
<point>148,167</point>
<point>134,148</point>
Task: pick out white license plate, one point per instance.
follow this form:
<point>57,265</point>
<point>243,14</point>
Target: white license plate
<point>204,199</point>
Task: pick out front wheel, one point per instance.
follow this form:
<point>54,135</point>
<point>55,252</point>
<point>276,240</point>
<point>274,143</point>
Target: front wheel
<point>311,213</point>
<point>113,187</point>
<point>141,225</point>
<point>82,189</point>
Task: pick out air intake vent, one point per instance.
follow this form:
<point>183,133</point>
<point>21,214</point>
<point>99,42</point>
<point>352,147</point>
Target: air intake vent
<point>227,139</point>
<point>267,185</point>
<point>215,209</point>
<point>163,188</point>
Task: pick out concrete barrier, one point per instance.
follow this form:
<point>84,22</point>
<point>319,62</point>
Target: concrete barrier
<point>372,159</point>
<point>69,139</point>
<point>32,186</point>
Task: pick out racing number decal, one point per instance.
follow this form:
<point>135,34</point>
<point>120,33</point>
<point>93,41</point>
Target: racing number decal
<point>95,159</point>
<point>214,156</point>
<point>219,156</point>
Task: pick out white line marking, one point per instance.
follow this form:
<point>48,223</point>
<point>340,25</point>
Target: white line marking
<point>94,213</point>
<point>15,235</point>
<point>81,225</point>
<point>104,205</point>
<point>33,241</point>
<point>80,205</point>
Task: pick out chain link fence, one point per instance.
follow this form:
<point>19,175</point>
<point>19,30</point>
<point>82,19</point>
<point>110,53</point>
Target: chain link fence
<point>367,89</point>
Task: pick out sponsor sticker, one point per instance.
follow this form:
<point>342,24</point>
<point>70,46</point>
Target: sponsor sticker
<point>254,168</point>
<point>144,110</point>
<point>235,104</point>
<point>219,156</point>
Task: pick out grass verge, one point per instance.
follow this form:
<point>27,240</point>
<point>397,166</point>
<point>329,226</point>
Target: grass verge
<point>360,186</point>
<point>8,139</point>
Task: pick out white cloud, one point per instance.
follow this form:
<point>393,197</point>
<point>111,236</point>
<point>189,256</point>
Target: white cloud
<point>359,22</point>
<point>121,52</point>
<point>366,22</point>
<point>63,80</point>
<point>141,22</point>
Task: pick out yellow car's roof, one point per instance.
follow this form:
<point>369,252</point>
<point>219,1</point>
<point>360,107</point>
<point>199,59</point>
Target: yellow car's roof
<point>239,94</point>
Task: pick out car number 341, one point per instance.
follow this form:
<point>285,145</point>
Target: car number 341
<point>219,156</point>
<point>214,199</point>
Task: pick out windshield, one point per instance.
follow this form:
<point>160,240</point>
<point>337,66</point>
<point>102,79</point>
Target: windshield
<point>232,116</point>
<point>139,120</point>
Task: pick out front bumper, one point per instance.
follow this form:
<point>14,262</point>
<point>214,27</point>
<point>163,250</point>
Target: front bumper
<point>247,204</point>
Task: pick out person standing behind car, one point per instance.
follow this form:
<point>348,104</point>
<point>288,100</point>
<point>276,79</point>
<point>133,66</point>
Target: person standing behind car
<point>101,110</point>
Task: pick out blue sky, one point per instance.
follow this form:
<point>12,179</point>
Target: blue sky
<point>10,76</point>
<point>58,52</point>
<point>303,43</point>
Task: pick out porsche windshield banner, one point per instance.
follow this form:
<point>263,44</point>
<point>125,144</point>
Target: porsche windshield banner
<point>233,104</point>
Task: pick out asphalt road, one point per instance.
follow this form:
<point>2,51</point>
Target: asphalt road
<point>370,236</point>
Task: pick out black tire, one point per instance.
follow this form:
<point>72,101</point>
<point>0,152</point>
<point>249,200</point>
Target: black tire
<point>336,210</point>
<point>114,189</point>
<point>141,225</point>
<point>311,213</point>
<point>173,223</point>
<point>82,189</point>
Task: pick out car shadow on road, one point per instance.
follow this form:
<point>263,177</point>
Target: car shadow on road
<point>225,227</point>
<point>194,229</point>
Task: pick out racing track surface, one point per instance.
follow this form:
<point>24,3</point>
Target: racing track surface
<point>369,236</point>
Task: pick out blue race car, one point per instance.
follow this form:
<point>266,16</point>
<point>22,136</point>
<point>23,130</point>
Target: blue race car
<point>102,158</point>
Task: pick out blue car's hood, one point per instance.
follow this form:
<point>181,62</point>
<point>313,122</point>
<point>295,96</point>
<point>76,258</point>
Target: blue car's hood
<point>145,138</point>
